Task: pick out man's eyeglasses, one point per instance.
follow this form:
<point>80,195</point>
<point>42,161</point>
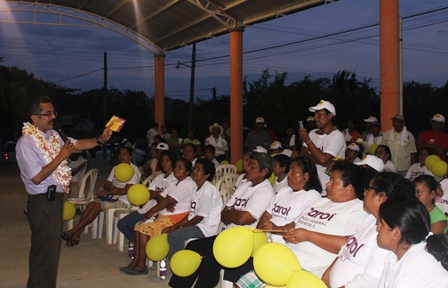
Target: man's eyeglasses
<point>48,114</point>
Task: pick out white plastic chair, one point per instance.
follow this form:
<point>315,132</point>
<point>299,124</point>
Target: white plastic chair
<point>112,216</point>
<point>222,170</point>
<point>148,180</point>
<point>85,196</point>
<point>227,180</point>
<point>225,186</point>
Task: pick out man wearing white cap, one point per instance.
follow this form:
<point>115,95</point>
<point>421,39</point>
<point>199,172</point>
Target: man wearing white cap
<point>367,125</point>
<point>401,143</point>
<point>375,136</point>
<point>352,153</point>
<point>435,139</point>
<point>258,137</point>
<point>324,143</point>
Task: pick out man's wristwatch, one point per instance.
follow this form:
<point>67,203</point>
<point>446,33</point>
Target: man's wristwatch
<point>98,140</point>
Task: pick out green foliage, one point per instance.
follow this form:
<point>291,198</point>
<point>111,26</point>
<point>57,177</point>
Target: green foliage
<point>269,97</point>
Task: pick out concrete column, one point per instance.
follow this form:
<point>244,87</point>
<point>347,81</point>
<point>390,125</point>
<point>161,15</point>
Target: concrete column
<point>389,61</point>
<point>159,87</point>
<point>236,94</point>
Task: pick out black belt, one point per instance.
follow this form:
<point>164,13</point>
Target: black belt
<point>57,195</point>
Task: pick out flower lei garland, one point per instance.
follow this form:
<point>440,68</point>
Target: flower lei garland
<point>50,149</point>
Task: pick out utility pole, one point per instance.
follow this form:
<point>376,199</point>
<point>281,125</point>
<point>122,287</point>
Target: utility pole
<point>191,107</point>
<point>191,103</point>
<point>105,90</point>
<point>105,101</point>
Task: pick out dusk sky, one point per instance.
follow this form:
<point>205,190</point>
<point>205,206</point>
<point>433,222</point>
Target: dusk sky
<point>73,56</point>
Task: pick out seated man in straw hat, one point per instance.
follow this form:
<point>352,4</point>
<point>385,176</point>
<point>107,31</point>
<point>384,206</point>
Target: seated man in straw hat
<point>218,141</point>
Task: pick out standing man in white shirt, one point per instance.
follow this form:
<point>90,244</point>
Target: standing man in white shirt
<point>324,143</point>
<point>152,132</point>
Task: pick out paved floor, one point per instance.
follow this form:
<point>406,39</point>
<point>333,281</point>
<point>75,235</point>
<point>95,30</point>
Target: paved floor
<point>92,263</point>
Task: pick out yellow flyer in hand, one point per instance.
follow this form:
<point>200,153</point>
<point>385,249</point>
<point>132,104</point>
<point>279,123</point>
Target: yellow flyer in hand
<point>115,123</point>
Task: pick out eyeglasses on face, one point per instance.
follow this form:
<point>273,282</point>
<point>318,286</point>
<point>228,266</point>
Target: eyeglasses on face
<point>49,114</point>
<point>369,188</point>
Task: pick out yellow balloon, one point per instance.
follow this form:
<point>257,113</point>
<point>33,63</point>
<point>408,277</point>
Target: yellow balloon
<point>185,262</point>
<point>157,247</point>
<point>439,168</point>
<point>260,239</point>
<point>272,179</point>
<point>233,247</point>
<point>138,194</point>
<point>123,172</point>
<point>224,162</point>
<point>304,279</point>
<point>431,159</point>
<point>372,149</point>
<point>274,263</point>
<point>68,211</point>
<point>239,166</point>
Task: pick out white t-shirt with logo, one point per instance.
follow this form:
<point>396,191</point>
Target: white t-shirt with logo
<point>253,199</point>
<point>416,170</point>
<point>360,261</point>
<point>134,180</point>
<point>327,217</point>
<point>287,205</point>
<point>159,182</point>
<point>207,203</point>
<point>181,192</point>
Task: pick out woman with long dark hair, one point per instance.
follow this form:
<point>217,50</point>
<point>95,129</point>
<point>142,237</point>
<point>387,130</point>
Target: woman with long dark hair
<point>417,258</point>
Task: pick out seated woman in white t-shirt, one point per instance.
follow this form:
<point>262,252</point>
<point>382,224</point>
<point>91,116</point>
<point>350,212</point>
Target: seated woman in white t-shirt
<point>416,258</point>
<point>112,188</point>
<point>418,169</point>
<point>360,261</point>
<point>383,152</point>
<point>205,210</point>
<point>303,190</point>
<point>169,211</point>
<point>317,234</point>
<point>327,224</point>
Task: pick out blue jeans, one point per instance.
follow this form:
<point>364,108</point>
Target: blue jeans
<point>127,224</point>
<point>177,238</point>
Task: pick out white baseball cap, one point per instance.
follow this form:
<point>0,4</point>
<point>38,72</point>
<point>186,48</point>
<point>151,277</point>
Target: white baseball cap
<point>371,119</point>
<point>323,105</point>
<point>260,149</point>
<point>163,146</point>
<point>353,147</point>
<point>372,161</point>
<point>287,152</point>
<point>259,120</point>
<point>275,145</point>
<point>438,118</point>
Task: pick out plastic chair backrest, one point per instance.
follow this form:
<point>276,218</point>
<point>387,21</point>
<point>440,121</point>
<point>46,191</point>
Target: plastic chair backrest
<point>227,180</point>
<point>222,170</point>
<point>226,169</point>
<point>88,183</point>
<point>148,180</point>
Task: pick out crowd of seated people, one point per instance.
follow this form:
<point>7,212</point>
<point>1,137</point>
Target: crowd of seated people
<point>338,235</point>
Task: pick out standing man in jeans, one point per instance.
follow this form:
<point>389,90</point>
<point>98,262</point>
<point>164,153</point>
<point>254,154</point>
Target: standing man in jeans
<point>42,158</point>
